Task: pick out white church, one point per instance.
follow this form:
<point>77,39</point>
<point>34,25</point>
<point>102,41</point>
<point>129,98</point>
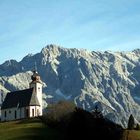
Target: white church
<point>23,103</point>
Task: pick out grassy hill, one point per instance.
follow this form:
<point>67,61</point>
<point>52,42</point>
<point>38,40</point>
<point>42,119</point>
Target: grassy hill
<point>31,129</point>
<point>131,135</point>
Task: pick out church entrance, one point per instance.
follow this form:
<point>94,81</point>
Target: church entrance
<point>33,112</point>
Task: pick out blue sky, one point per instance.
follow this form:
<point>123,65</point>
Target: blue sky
<point>26,26</point>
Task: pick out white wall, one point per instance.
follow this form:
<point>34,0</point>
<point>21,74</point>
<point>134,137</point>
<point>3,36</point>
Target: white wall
<point>39,96</point>
<point>38,91</point>
<point>10,114</point>
<point>20,113</point>
<point>37,111</point>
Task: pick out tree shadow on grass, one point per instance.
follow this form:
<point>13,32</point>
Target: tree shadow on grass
<point>43,133</point>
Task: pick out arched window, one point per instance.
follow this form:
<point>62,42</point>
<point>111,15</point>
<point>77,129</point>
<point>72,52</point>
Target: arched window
<point>15,114</point>
<point>32,112</point>
<point>5,114</point>
<point>27,113</point>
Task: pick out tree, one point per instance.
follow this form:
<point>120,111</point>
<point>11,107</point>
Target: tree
<point>57,114</point>
<point>131,122</point>
<point>97,113</point>
<point>137,127</point>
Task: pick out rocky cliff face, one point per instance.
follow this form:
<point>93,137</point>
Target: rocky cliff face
<point>110,80</point>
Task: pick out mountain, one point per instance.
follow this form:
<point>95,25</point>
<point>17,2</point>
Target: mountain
<point>108,79</point>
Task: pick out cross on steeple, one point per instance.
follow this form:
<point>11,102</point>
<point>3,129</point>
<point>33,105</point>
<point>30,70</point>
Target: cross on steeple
<point>35,67</point>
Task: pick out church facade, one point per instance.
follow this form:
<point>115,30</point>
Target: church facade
<point>23,103</point>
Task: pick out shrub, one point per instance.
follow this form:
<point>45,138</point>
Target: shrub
<point>57,114</point>
<point>84,124</point>
<point>77,123</point>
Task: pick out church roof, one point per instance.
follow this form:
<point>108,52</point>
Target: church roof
<point>21,98</point>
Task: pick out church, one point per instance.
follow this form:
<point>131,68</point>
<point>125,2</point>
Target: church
<point>24,103</point>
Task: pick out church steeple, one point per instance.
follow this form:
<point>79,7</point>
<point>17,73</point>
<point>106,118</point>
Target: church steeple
<point>36,84</point>
<point>35,77</point>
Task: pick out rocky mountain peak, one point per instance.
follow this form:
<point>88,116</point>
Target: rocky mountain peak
<point>10,63</point>
<point>108,79</point>
<point>137,51</point>
<point>50,49</point>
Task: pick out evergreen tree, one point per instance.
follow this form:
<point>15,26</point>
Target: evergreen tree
<point>137,127</point>
<point>131,122</point>
<point>97,113</point>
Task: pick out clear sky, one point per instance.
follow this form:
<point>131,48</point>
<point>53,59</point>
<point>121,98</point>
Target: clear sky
<point>26,26</point>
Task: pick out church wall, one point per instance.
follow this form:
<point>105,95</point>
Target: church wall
<point>39,111</point>
<point>23,112</point>
<point>35,111</point>
<point>38,92</point>
<point>20,113</point>
<point>12,114</point>
<point>37,85</point>
<point>39,95</point>
<point>31,108</point>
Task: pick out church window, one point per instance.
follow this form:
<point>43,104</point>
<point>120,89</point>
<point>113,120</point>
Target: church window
<point>27,112</point>
<point>39,89</point>
<point>9,111</point>
<point>15,114</point>
<point>5,114</point>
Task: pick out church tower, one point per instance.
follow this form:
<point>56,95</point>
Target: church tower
<point>37,85</point>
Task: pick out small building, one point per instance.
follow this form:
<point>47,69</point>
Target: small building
<point>23,103</point>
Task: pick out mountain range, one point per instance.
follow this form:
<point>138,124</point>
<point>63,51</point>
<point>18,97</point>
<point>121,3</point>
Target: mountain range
<point>110,80</point>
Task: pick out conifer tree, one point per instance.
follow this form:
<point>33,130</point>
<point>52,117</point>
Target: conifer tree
<point>131,122</point>
<point>97,113</point>
<point>137,127</point>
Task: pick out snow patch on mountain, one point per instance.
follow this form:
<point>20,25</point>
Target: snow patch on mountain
<point>59,93</point>
<point>108,79</point>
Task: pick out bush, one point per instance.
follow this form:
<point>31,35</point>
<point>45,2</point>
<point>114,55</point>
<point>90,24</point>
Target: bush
<point>84,124</point>
<point>78,123</point>
<point>57,114</point>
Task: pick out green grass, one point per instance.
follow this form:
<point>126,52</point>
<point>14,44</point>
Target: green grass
<point>131,135</point>
<point>34,129</point>
<point>31,129</point>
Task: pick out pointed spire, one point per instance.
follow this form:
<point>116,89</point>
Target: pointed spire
<point>35,68</point>
<point>35,77</point>
<point>1,93</point>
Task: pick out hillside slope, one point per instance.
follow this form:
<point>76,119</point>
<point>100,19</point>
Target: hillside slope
<point>31,129</point>
<point>110,80</point>
<point>131,135</point>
